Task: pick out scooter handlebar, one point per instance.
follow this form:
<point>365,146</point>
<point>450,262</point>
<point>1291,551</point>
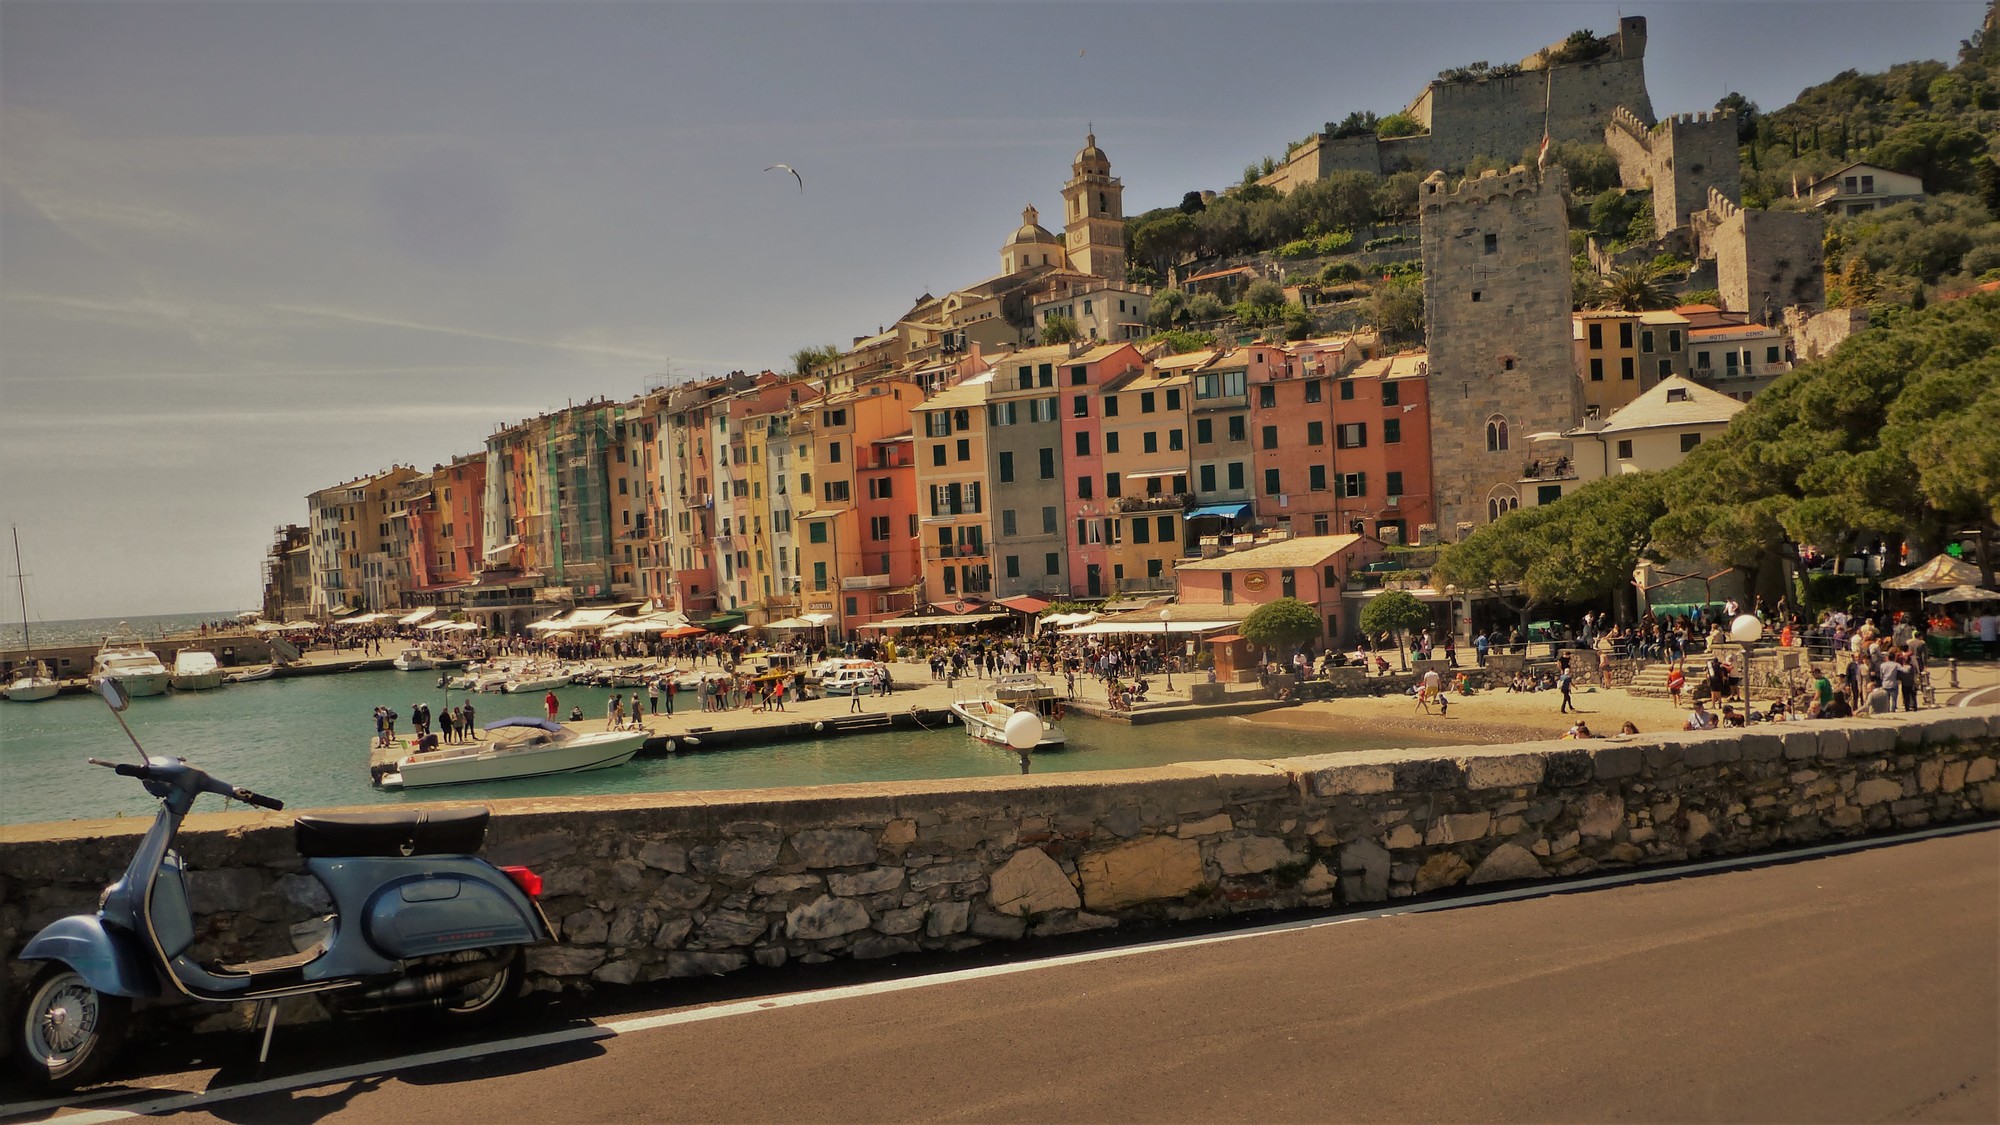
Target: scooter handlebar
<point>258,799</point>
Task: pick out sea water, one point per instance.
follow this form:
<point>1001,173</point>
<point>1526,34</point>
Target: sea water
<point>92,630</point>
<point>305,740</point>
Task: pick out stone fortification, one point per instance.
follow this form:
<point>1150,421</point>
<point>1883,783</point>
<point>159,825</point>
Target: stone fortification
<point>1682,159</point>
<point>670,885</point>
<point>1497,316</point>
<point>1765,261</point>
<point>1494,116</point>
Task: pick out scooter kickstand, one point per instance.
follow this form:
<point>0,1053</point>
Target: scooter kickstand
<point>267,1010</point>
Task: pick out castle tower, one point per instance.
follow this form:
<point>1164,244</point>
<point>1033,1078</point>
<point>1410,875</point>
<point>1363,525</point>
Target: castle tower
<point>1094,215</point>
<point>1497,315</point>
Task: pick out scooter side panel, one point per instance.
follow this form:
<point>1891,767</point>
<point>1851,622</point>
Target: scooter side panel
<point>107,962</point>
<point>424,905</point>
<point>173,922</point>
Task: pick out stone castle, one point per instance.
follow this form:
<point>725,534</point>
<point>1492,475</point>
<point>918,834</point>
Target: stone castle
<point>1498,116</point>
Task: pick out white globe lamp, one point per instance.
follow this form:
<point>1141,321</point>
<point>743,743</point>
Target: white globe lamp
<point>1024,730</point>
<point>1746,629</point>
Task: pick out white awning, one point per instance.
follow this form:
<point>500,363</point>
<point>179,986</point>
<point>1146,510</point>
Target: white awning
<point>423,614</point>
<point>1149,474</point>
<point>362,619</point>
<point>549,624</point>
<point>936,619</point>
<point>1130,627</point>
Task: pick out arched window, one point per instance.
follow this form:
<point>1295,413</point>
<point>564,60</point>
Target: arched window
<point>1496,434</point>
<point>1501,500</point>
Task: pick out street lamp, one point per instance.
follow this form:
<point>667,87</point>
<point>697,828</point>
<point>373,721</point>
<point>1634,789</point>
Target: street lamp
<point>1166,640</point>
<point>1745,630</point>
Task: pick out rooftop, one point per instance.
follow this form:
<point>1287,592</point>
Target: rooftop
<point>1676,401</point>
<point>1309,550</point>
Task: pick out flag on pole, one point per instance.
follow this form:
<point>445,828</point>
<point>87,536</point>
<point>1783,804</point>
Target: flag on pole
<point>1542,157</point>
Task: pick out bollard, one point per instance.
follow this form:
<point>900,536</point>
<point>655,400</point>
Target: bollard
<point>1953,665</point>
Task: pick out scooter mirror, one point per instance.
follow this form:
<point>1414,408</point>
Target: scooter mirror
<point>115,696</point>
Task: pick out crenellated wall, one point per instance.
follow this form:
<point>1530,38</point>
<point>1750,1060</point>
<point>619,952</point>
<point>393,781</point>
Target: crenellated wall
<point>658,886</point>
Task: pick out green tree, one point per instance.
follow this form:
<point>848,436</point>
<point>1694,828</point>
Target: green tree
<point>1360,123</point>
<point>806,359</point>
<point>1059,329</point>
<point>1398,125</point>
<point>1166,309</point>
<point>1203,308</point>
<point>1398,307</point>
<point>1577,549</point>
<point>1636,288</point>
<point>1398,613</point>
<point>1264,299</point>
<point>1283,624</point>
<point>1180,341</point>
<point>1945,155</point>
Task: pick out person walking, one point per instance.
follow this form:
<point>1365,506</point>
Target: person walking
<point>550,703</point>
<point>1563,685</point>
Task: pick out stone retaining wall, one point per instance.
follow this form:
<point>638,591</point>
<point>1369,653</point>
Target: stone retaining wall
<point>649,887</point>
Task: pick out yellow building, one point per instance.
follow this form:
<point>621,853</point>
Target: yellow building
<point>953,499</point>
<point>1606,343</point>
<point>1146,468</point>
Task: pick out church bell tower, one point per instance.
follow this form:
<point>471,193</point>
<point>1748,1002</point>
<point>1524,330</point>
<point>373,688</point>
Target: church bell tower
<point>1094,215</point>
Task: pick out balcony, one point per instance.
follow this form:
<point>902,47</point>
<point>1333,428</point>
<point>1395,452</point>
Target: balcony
<point>867,582</point>
<point>1561,468</point>
<point>1165,502</point>
<point>956,551</point>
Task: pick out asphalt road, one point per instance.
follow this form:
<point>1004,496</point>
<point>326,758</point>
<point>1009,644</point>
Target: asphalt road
<point>1856,987</point>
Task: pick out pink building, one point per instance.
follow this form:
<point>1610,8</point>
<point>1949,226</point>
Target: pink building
<point>1313,569</point>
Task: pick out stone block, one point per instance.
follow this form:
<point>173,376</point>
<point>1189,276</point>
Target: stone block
<point>631,926</point>
<point>672,932</point>
<point>940,874</point>
<point>678,892</point>
<point>899,833</point>
<point>745,857</point>
<point>1562,768</point>
<point>1954,729</point>
<point>1662,756</point>
<point>1512,771</point>
<point>943,919</point>
<point>1445,869</point>
<point>1031,883</point>
<point>617,972</point>
<point>1208,826</point>
<point>785,884</point>
<point>1952,778</point>
<point>1404,836</point>
<point>876,946</point>
<point>1358,781</point>
<point>1070,922</point>
<point>1364,871</point>
<point>704,964</point>
<point>1457,828</point>
<point>825,917</point>
<point>563,960</point>
<point>1833,742</point>
<point>726,928</point>
<point>1427,775</point>
<point>1761,747</point>
<point>987,924</point>
<point>1698,826</point>
<point>1878,790</point>
<point>1251,855</point>
<point>1980,769</point>
<point>1866,738</point>
<point>1145,870</point>
<point>1801,743</point>
<point>1989,796</point>
<point>834,847</point>
<point>1929,776</point>
<point>1506,863</point>
<point>1703,751</point>
<point>1612,762</point>
<point>1600,816</point>
<point>769,956</point>
<point>1318,881</point>
<point>858,883</point>
<point>585,927</point>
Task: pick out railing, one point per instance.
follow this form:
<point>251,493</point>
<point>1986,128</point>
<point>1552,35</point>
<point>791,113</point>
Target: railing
<point>1159,584</point>
<point>1169,501</point>
<point>866,582</point>
<point>956,551</point>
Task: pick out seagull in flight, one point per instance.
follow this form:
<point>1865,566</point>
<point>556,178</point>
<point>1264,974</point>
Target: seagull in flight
<point>792,170</point>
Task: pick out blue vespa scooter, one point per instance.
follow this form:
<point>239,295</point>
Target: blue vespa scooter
<point>418,921</point>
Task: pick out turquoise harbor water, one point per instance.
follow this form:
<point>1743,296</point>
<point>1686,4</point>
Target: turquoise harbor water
<point>305,740</point>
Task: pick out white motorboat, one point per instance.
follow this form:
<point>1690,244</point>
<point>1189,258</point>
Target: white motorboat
<point>251,675</point>
<point>517,747</point>
<point>195,670</point>
<point>126,658</point>
<point>536,681</point>
<point>31,680</point>
<point>412,660</point>
<point>985,718</point>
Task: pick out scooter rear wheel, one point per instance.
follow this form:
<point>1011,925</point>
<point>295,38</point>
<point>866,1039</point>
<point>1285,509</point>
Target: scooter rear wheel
<point>486,996</point>
<point>68,1031</point>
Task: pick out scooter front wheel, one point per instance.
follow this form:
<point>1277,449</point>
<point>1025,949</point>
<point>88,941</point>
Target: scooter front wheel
<point>68,1031</point>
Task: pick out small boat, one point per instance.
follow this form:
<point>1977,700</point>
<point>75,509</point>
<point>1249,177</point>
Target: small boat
<point>536,681</point>
<point>31,681</point>
<point>519,747</point>
<point>251,675</point>
<point>126,658</point>
<point>413,660</point>
<point>985,718</point>
<point>195,670</point>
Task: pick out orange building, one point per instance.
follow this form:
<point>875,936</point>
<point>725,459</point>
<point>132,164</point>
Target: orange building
<point>858,548</point>
<point>1382,450</point>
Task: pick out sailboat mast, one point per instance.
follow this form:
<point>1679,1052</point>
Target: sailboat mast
<point>21,584</point>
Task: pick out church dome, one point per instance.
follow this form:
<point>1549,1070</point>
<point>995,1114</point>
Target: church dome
<point>1090,158</point>
<point>1032,231</point>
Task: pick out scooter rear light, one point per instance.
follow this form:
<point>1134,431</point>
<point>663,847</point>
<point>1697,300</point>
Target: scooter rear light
<point>529,882</point>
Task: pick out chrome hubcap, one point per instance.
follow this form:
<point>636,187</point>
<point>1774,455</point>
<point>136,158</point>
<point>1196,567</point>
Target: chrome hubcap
<point>68,1019</point>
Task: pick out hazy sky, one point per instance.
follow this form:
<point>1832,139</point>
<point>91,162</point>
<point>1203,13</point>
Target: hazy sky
<point>248,250</point>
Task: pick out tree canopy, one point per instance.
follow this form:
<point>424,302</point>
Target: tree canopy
<point>1285,623</point>
<point>1395,612</point>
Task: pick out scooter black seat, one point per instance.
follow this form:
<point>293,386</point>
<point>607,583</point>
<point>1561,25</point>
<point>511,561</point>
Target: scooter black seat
<point>397,833</point>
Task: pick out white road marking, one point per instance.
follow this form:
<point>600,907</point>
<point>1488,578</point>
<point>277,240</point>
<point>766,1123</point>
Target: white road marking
<point>181,1102</point>
<point>1971,698</point>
